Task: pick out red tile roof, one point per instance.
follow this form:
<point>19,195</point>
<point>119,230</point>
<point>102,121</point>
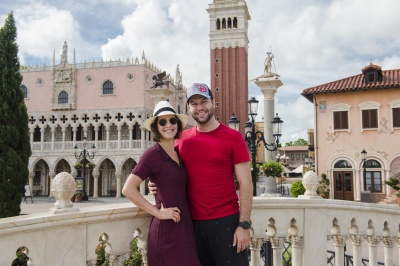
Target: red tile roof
<point>390,79</point>
<point>294,148</point>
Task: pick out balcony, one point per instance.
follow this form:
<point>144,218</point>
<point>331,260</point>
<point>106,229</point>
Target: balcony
<point>312,226</point>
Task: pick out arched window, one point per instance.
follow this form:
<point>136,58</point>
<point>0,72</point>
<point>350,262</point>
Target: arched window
<point>235,23</point>
<point>229,23</point>
<point>25,91</point>
<point>63,97</point>
<point>372,164</point>
<point>223,23</point>
<point>218,24</point>
<point>108,87</point>
<point>342,164</point>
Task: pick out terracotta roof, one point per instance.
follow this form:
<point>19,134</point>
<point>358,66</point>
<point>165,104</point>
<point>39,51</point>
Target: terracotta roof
<point>294,148</point>
<point>390,79</point>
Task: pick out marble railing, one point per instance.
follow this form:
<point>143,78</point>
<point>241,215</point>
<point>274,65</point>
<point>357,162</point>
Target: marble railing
<point>67,235</point>
<point>369,231</point>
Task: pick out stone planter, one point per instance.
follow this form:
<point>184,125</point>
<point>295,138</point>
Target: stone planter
<point>270,185</point>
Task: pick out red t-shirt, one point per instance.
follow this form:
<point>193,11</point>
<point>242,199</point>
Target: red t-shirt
<point>209,160</point>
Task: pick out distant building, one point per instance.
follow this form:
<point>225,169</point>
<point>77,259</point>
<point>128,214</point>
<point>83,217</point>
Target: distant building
<point>294,156</point>
<point>104,101</point>
<point>355,113</point>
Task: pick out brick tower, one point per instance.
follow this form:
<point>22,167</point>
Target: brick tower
<point>229,58</point>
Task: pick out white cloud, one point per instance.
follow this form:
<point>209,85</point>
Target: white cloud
<point>313,41</point>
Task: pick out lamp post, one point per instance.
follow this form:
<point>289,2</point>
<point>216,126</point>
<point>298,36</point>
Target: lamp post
<point>83,155</point>
<point>364,158</point>
<point>233,122</point>
<point>253,137</point>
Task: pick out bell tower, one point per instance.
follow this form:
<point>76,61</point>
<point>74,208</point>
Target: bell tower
<point>229,58</point>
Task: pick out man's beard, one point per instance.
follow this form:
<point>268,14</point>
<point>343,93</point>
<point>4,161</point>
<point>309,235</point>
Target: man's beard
<point>210,114</point>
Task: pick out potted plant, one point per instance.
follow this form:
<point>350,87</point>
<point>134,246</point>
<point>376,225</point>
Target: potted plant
<point>78,196</point>
<point>77,165</point>
<point>324,186</point>
<point>91,165</point>
<point>394,183</point>
<point>272,168</point>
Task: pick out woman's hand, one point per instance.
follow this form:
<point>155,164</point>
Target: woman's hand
<point>169,213</point>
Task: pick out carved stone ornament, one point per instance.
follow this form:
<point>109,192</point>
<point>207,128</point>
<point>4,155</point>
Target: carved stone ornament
<point>63,188</point>
<point>310,183</point>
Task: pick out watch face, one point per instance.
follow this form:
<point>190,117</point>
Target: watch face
<point>245,224</point>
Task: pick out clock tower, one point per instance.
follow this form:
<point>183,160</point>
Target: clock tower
<point>229,59</point>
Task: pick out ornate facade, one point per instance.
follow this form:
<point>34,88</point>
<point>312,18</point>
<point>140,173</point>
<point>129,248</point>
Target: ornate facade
<point>100,103</point>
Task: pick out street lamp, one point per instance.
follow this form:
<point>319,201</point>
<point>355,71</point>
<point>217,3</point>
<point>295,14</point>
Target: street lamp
<point>364,158</point>
<point>233,122</point>
<point>84,154</point>
<point>253,137</point>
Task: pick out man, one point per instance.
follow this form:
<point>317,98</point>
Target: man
<point>212,154</point>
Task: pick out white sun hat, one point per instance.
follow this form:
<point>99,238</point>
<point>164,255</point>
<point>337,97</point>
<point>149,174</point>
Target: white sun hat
<point>164,108</point>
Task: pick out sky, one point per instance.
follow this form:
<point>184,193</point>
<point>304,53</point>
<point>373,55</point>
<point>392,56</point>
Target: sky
<point>313,41</point>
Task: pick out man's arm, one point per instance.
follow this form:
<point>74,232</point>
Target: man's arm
<point>243,175</point>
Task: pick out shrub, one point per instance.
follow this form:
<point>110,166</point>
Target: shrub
<point>297,189</point>
<point>272,168</point>
<point>324,185</point>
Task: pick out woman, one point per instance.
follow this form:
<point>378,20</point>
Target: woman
<point>171,239</point>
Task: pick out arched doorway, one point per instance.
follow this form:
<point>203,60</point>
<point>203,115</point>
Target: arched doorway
<point>343,184</point>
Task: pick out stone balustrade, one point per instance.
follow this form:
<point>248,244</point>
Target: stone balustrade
<point>312,226</point>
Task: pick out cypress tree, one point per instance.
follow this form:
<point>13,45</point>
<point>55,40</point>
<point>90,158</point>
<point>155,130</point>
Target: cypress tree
<point>14,132</point>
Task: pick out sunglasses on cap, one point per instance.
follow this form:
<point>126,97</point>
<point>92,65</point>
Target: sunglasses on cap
<point>172,121</point>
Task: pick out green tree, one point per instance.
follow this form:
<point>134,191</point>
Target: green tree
<point>14,132</point>
<point>299,142</point>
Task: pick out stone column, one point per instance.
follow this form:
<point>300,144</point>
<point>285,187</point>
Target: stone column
<point>388,244</point>
<point>74,129</point>
<point>373,243</point>
<point>357,240</point>
<point>119,189</point>
<point>277,245</point>
<point>297,244</point>
<point>339,242</point>
<point>53,129</point>
<point>107,137</point>
<point>119,136</point>
<point>96,136</point>
<point>130,128</point>
<point>51,177</point>
<point>63,129</point>
<point>255,248</point>
<point>30,180</point>
<point>31,131</point>
<point>42,138</point>
<point>142,138</point>
<point>96,175</point>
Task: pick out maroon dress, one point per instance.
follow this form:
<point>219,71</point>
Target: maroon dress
<point>169,243</point>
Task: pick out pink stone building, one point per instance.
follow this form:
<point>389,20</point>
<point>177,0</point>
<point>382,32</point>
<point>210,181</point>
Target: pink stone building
<point>106,102</point>
<point>352,114</point>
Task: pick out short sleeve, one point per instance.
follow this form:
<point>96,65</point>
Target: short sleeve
<point>144,168</point>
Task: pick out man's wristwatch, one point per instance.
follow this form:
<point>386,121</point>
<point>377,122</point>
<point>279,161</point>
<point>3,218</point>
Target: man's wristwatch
<point>245,224</point>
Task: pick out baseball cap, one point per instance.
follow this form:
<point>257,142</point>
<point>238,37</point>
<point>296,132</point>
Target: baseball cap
<point>199,89</point>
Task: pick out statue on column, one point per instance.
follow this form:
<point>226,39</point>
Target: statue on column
<point>268,63</point>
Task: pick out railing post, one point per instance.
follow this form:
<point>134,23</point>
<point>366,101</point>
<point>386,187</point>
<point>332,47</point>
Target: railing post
<point>339,242</point>
<point>357,240</point>
<point>373,243</point>
<point>388,244</point>
<point>255,248</point>
<point>297,243</point>
<point>277,244</point>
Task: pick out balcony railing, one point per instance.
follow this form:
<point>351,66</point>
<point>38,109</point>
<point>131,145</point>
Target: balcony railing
<point>101,145</point>
<point>312,227</point>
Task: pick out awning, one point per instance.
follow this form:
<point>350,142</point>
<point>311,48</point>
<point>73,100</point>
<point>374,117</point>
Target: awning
<point>298,170</point>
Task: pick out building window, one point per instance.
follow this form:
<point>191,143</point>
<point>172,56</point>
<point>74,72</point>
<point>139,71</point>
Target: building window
<point>229,23</point>
<point>25,91</point>
<point>373,179</point>
<point>340,120</point>
<point>108,87</point>
<point>217,104</point>
<point>36,135</point>
<point>396,117</point>
<point>297,156</point>
<point>36,178</point>
<point>370,118</point>
<point>63,97</point>
<point>216,75</point>
<point>216,89</point>
<point>342,164</point>
<point>223,23</point>
<point>218,24</point>
<point>235,22</point>
<point>292,157</point>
